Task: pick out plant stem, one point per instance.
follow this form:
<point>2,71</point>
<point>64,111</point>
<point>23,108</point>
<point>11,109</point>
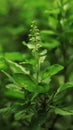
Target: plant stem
<point>37,66</point>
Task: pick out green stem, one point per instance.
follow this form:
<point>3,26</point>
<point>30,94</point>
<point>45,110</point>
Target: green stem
<point>37,66</point>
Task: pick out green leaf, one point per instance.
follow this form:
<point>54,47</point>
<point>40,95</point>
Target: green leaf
<point>16,68</point>
<point>29,45</point>
<point>14,94</point>
<point>3,110</point>
<point>42,59</point>
<point>53,22</point>
<point>51,44</point>
<point>48,32</point>
<point>9,76</point>
<point>20,115</point>
<point>53,11</point>
<point>3,65</point>
<point>64,111</point>
<point>52,70</point>
<point>43,52</point>
<point>13,87</point>
<point>25,81</point>
<point>14,91</point>
<point>14,56</point>
<point>43,88</point>
<point>29,61</point>
<point>64,87</point>
<point>23,115</point>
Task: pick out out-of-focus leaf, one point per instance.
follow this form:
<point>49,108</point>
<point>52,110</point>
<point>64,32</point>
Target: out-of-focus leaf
<point>29,61</point>
<point>16,68</point>
<point>52,70</point>
<point>53,22</point>
<point>14,91</point>
<point>53,11</point>
<point>13,87</point>
<point>19,115</point>
<point>3,110</point>
<point>64,111</point>
<point>64,87</point>
<point>3,65</point>
<point>15,31</point>
<point>14,56</point>
<point>22,115</point>
<point>14,94</point>
<point>51,44</point>
<point>48,32</point>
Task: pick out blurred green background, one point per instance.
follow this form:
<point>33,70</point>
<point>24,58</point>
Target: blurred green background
<point>55,21</point>
<point>15,19</point>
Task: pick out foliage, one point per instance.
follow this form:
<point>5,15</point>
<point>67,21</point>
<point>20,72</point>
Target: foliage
<point>36,84</point>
